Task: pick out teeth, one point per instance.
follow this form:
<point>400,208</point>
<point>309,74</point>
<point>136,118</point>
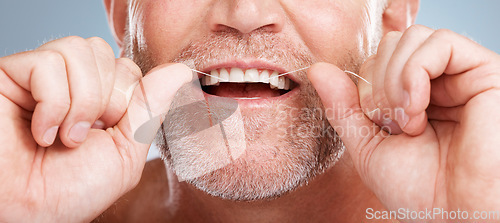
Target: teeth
<point>274,82</point>
<point>214,79</point>
<point>237,75</point>
<point>281,82</point>
<point>223,75</point>
<point>264,77</point>
<point>252,75</point>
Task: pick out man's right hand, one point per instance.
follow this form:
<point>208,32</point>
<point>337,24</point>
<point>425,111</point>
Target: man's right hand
<point>75,89</point>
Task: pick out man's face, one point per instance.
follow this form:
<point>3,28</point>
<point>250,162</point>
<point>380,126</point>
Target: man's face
<point>287,137</point>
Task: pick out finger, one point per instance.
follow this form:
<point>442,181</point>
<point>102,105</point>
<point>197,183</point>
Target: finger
<point>40,76</point>
<point>365,91</point>
<point>340,96</point>
<point>383,113</point>
<point>411,40</point>
<point>443,52</point>
<point>456,90</point>
<point>84,86</point>
<point>128,75</point>
<point>105,61</point>
<point>384,54</point>
<point>151,98</point>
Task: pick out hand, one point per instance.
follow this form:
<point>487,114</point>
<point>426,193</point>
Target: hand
<point>438,93</point>
<point>62,89</point>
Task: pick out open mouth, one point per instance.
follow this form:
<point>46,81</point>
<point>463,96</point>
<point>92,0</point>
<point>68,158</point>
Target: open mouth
<point>246,84</point>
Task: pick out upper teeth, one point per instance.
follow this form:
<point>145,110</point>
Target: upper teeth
<point>237,75</point>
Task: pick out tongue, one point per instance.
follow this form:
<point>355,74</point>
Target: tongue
<point>239,90</point>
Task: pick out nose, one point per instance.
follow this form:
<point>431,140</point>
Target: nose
<point>246,16</point>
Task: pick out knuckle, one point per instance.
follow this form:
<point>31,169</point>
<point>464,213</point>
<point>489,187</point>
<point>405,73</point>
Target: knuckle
<point>76,42</point>
<point>91,101</point>
<point>128,66</point>
<point>390,37</point>
<point>63,105</point>
<point>88,103</point>
<point>443,34</point>
<point>100,44</point>
<point>393,34</point>
<point>97,41</point>
<point>416,29</point>
<point>417,32</point>
<point>411,66</point>
<point>51,57</point>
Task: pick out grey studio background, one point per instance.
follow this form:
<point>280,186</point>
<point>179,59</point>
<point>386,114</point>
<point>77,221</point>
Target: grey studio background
<point>26,24</point>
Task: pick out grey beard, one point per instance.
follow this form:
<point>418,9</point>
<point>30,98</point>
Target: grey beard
<point>306,148</point>
<point>303,148</point>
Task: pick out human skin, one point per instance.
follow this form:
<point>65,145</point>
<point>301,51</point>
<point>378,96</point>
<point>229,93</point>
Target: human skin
<point>445,156</point>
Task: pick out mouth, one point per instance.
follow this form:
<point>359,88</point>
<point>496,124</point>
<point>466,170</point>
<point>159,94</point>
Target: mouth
<point>252,83</point>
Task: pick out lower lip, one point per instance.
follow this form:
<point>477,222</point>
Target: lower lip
<point>257,102</point>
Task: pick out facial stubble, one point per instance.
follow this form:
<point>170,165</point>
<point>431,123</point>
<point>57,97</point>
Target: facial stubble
<point>281,155</point>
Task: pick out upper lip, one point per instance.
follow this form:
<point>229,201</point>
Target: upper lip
<point>249,64</point>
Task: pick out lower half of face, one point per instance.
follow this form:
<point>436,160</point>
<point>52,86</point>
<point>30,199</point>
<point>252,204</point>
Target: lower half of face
<point>243,133</point>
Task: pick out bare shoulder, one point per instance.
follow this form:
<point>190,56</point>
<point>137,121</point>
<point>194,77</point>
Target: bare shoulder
<point>143,202</point>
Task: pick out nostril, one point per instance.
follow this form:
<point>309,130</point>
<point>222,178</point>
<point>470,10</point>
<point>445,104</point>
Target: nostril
<point>224,29</point>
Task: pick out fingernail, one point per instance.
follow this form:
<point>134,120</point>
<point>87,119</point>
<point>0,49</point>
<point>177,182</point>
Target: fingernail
<point>401,117</point>
<point>390,126</point>
<point>79,131</point>
<point>98,124</point>
<point>50,135</point>
<point>387,121</point>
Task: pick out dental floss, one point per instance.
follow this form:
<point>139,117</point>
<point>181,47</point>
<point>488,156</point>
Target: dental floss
<point>301,69</point>
<point>208,74</point>
<point>356,75</point>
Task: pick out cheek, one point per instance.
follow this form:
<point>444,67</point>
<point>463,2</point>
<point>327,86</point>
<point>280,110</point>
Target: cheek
<point>332,29</point>
<point>169,25</point>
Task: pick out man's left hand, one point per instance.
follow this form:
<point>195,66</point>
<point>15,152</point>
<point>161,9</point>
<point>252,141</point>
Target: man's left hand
<point>438,93</point>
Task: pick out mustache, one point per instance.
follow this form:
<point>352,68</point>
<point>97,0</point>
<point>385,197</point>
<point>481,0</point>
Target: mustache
<point>230,45</point>
<point>223,46</point>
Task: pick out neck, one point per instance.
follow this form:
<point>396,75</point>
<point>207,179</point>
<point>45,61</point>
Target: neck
<point>338,195</point>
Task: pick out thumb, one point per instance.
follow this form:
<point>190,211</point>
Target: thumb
<point>149,103</point>
<point>340,98</point>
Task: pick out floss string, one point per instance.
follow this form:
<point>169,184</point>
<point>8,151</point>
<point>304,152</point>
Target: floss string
<point>301,69</point>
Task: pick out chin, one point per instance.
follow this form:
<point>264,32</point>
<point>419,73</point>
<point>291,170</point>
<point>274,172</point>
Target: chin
<point>263,152</point>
